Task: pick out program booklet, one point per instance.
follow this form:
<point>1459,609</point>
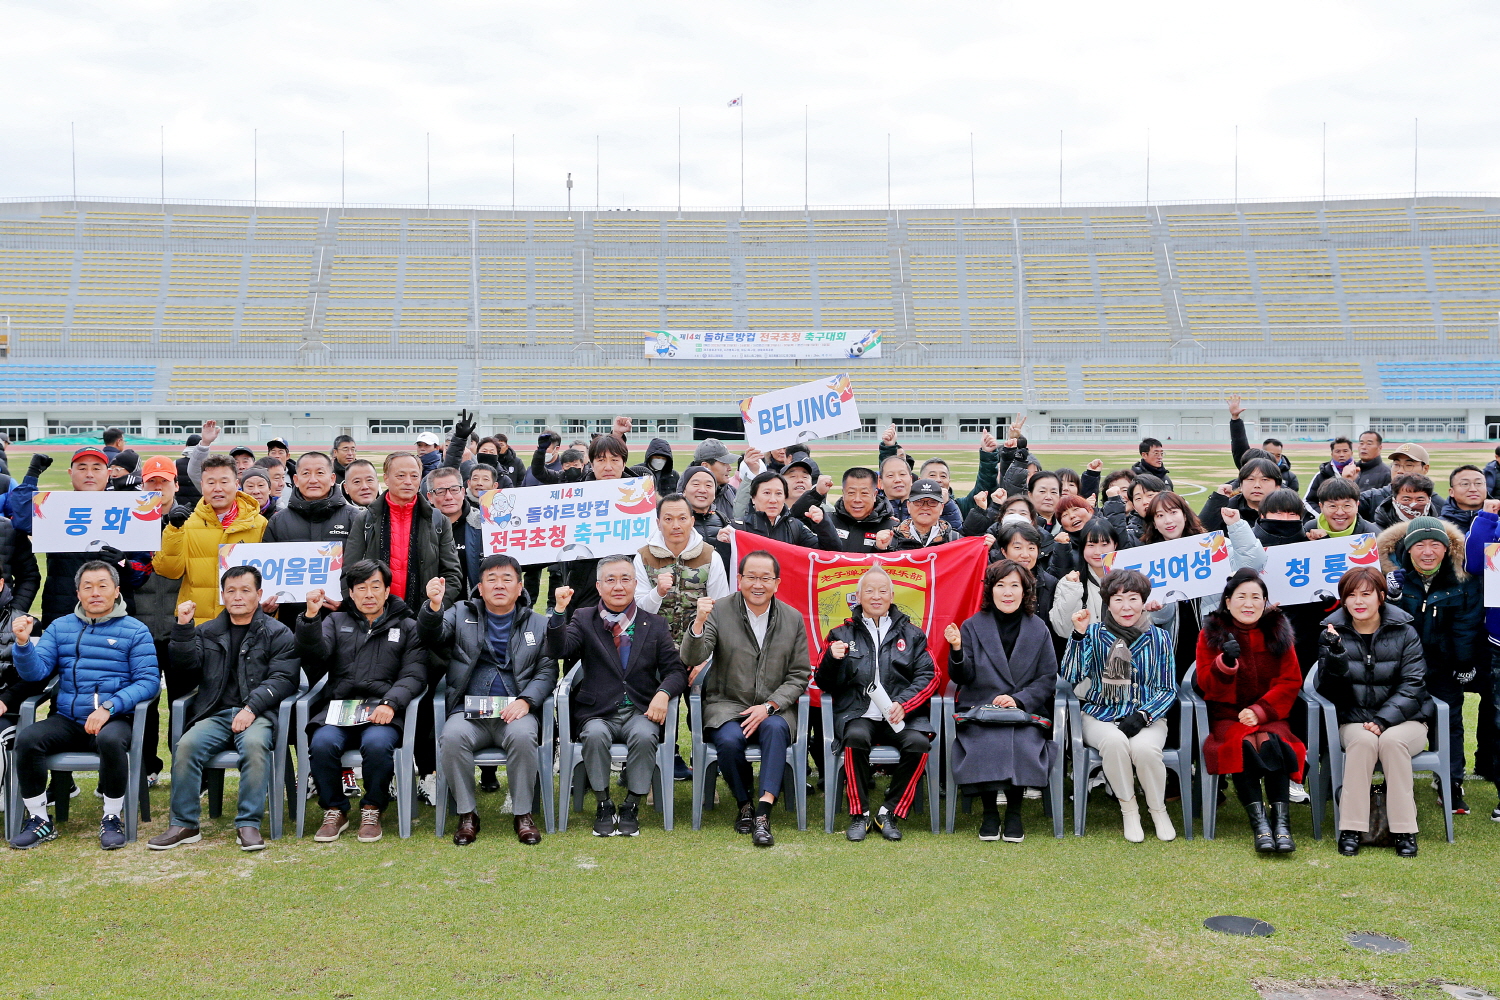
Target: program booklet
<point>353,712</point>
<point>484,706</point>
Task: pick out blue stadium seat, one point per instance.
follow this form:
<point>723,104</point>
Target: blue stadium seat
<point>42,385</point>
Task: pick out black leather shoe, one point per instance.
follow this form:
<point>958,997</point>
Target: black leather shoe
<point>746,821</point>
<point>489,779</point>
<point>1281,827</point>
<point>1260,827</point>
<point>761,835</point>
<point>1405,844</point>
<point>1349,842</point>
<point>885,822</point>
<point>859,827</point>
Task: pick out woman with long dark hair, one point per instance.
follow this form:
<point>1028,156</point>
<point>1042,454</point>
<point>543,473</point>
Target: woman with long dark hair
<point>1248,675</point>
<point>1003,656</point>
<point>1080,588</point>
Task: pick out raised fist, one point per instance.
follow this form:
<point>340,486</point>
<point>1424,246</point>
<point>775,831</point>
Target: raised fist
<point>179,515</point>
<point>889,437</point>
<point>39,464</point>
<point>620,427</point>
<point>1229,516</point>
<point>705,608</point>
<point>1230,651</point>
<point>988,442</point>
<point>560,599</point>
<point>1493,506</point>
<point>314,603</point>
<point>1081,620</point>
<point>825,483</point>
<point>838,650</point>
<point>663,583</point>
<point>982,500</point>
<point>1097,465</point>
<point>437,587</point>
<point>753,461</point>
<point>185,612</point>
<point>883,539</point>
<point>1351,472</point>
<point>815,514</point>
<point>954,636</point>
<point>21,626</point>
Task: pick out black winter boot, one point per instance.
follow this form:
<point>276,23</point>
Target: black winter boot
<point>1281,827</point>
<point>1260,828</point>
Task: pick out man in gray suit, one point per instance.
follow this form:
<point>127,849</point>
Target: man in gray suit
<point>760,669</point>
<point>494,648</point>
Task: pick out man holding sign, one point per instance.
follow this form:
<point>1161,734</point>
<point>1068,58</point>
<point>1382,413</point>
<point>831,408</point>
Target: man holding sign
<point>190,542</point>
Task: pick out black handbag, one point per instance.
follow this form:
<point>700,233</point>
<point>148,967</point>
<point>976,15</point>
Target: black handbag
<point>994,715</point>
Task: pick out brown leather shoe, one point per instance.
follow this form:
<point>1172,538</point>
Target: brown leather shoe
<point>250,838</point>
<point>335,822</point>
<point>173,837</point>
<point>369,825</point>
<point>526,831</point>
<point>468,829</point>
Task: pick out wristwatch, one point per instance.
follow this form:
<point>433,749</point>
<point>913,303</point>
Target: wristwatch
<point>770,708</point>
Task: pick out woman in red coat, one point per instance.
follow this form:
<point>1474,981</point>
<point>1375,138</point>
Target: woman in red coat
<point>1247,672</point>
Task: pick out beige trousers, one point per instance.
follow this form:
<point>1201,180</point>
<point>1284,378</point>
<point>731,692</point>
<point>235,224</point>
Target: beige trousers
<point>1394,748</point>
<point>1125,760</point>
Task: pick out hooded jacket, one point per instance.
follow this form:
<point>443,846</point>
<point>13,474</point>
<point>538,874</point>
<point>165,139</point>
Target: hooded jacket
<point>696,572</point>
<point>23,577</point>
<point>107,662</point>
<point>362,659</point>
<point>1448,613</point>
<point>666,479</point>
<point>330,519</point>
<point>1454,515</point>
<point>191,553</point>
<point>267,668</point>
<point>431,553</point>
<point>455,638</point>
<point>1376,678</point>
<point>905,667</point>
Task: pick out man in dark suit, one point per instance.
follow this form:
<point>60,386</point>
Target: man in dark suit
<point>631,670</point>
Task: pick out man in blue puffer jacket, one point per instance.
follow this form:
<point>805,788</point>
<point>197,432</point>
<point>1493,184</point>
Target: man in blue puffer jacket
<point>106,665</point>
<point>1484,530</point>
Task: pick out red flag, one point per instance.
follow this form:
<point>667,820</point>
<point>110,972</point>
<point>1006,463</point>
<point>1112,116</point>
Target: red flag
<point>934,586</point>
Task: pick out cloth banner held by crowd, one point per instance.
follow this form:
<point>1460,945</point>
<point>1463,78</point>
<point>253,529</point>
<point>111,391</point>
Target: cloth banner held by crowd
<point>1310,571</point>
<point>934,586</point>
<point>803,412</point>
<point>73,521</point>
<point>1180,569</point>
<point>288,570</point>
<point>548,524</point>
<point>762,345</point>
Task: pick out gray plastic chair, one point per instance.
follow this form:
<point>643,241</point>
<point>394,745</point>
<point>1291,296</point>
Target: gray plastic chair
<point>1054,777</point>
<point>1437,759</point>
<point>706,758</point>
<point>833,776</point>
<point>137,795</point>
<point>1086,760</point>
<point>493,757</point>
<point>573,785</point>
<point>230,759</point>
<point>1208,784</point>
<point>406,786</point>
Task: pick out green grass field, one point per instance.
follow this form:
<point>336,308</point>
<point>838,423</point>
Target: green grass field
<point>689,914</point>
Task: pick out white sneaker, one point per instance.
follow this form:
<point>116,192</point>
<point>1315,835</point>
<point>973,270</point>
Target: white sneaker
<point>1131,812</point>
<point>1298,793</point>
<point>427,790</point>
<point>1163,822</point>
<point>1000,799</point>
<point>1032,793</point>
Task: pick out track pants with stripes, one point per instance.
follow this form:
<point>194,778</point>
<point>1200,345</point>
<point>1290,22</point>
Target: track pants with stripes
<point>859,736</point>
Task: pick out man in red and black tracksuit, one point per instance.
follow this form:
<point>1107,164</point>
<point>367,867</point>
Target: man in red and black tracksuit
<point>877,670</point>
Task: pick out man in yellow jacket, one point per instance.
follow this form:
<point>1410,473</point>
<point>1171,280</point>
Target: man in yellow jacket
<point>191,539</point>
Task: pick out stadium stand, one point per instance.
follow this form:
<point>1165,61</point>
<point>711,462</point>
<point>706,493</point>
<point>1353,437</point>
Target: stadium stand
<point>1107,317</point>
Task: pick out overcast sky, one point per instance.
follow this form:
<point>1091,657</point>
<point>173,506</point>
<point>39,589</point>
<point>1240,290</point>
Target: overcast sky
<point>557,74</point>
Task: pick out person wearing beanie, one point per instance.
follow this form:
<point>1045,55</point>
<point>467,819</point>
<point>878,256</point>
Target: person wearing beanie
<point>257,483</point>
<point>122,471</point>
<point>1426,576</point>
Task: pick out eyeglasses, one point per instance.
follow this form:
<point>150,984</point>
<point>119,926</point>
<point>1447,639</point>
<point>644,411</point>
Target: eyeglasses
<point>759,579</point>
<point>446,491</point>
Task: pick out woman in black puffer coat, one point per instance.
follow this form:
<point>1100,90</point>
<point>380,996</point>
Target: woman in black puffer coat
<point>1374,674</point>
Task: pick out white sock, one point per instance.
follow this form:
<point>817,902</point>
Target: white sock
<point>114,807</point>
<point>36,805</point>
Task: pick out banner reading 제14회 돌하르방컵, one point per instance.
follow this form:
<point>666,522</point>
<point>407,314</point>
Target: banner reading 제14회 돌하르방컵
<point>762,345</point>
<point>934,586</point>
<point>567,521</point>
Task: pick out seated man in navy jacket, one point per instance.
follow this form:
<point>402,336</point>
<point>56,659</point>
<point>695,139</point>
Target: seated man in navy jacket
<point>106,665</point>
<point>631,669</point>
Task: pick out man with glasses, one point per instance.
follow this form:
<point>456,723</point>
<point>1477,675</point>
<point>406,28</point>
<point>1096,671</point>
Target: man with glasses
<point>760,669</point>
<point>1338,512</point>
<point>445,491</point>
<point>1466,493</point>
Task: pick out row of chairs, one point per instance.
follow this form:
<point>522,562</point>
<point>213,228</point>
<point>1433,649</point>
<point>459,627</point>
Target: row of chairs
<point>1324,776</point>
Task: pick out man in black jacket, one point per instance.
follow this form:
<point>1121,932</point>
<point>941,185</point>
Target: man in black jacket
<point>245,663</point>
<point>861,519</point>
<point>878,657</point>
<point>924,524</point>
<point>1239,444</point>
<point>492,645</point>
<point>316,512</point>
<point>1153,461</point>
<point>769,517</point>
<point>370,653</point>
<point>631,670</point>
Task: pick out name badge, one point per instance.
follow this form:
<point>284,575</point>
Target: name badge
<point>869,539</point>
<point>394,635</point>
<point>841,532</point>
<point>531,638</point>
<point>346,628</point>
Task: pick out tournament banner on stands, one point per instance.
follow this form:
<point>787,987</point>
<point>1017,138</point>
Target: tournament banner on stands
<point>762,345</point>
<point>1310,571</point>
<point>816,409</point>
<point>1492,575</point>
<point>934,586</point>
<point>548,524</point>
<point>288,570</point>
<point>1181,569</point>
<point>76,521</point>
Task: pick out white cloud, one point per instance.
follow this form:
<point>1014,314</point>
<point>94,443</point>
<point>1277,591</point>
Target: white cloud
<point>559,74</point>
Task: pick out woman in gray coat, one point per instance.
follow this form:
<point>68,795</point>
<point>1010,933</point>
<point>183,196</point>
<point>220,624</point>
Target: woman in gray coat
<point>1003,656</point>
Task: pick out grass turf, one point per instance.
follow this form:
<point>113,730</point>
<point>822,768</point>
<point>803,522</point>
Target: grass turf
<point>703,914</point>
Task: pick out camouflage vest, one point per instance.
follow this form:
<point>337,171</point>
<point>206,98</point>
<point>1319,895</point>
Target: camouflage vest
<point>689,582</point>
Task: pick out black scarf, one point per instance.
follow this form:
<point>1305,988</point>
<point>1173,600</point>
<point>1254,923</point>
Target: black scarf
<point>1119,668</point>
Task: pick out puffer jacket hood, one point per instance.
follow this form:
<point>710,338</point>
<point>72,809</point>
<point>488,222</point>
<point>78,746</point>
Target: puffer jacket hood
<point>319,510</point>
<point>1393,554</point>
<point>191,553</point>
<point>110,663</point>
<point>118,611</point>
<point>659,446</point>
<point>666,479</point>
<point>1453,513</point>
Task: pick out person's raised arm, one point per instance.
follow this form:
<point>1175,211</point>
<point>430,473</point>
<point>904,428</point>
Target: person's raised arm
<point>1239,443</point>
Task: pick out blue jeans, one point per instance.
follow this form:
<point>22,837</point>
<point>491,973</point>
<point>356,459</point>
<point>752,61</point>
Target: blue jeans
<point>207,738</point>
<point>773,737</point>
<point>377,745</point>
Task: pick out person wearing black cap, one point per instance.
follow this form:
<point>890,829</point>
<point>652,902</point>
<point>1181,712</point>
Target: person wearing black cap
<point>123,471</point>
<point>243,457</point>
<point>277,448</point>
<point>924,524</point>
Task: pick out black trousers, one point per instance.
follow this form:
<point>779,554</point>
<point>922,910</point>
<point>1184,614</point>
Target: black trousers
<point>859,736</point>
<point>60,734</point>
